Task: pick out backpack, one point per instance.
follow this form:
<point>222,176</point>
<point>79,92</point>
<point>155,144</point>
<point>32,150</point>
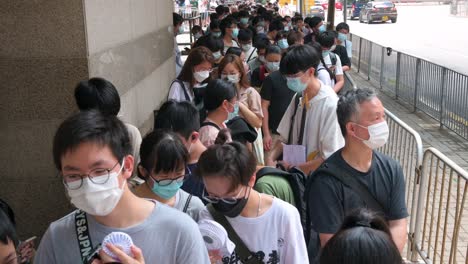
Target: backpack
<point>198,94</point>
<point>297,179</point>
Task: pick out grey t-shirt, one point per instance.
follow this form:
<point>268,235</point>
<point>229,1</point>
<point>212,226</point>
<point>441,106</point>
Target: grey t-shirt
<point>195,205</point>
<point>166,236</point>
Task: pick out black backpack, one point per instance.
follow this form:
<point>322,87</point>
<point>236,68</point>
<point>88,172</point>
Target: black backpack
<point>297,179</point>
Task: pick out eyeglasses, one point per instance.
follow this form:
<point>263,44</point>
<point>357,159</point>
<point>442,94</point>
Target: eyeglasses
<point>97,176</point>
<point>229,200</point>
<point>179,179</point>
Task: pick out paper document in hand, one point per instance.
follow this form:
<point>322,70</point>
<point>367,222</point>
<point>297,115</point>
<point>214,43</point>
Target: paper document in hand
<point>294,154</point>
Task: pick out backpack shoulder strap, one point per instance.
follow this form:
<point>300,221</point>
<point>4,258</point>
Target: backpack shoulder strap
<point>270,171</point>
<point>82,234</point>
<point>349,180</point>
<point>187,203</point>
<point>241,249</point>
<point>182,85</point>
<point>297,98</point>
<point>333,58</point>
<point>208,123</point>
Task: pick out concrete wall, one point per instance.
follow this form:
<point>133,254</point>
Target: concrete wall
<point>46,47</point>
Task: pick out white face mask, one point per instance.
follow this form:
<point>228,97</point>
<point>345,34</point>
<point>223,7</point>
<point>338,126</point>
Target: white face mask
<point>232,78</point>
<point>378,135</point>
<point>98,199</point>
<point>246,47</point>
<point>333,48</point>
<point>262,59</point>
<point>200,76</point>
<point>217,55</point>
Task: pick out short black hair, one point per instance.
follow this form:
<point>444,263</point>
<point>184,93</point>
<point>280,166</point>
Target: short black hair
<point>234,50</point>
<point>214,16</point>
<point>99,94</point>
<point>8,211</point>
<point>181,117</point>
<point>177,19</point>
<point>226,23</point>
<point>162,151</point>
<point>314,21</point>
<point>276,25</point>
<point>296,18</point>
<point>232,161</point>
<point>299,58</point>
<point>326,39</point>
<point>214,24</point>
<point>364,238</point>
<point>7,230</point>
<point>91,126</point>
<point>219,10</point>
<point>245,34</point>
<point>244,13</point>
<point>261,41</point>
<point>341,26</point>
<point>216,92</point>
<point>273,49</point>
<point>214,44</point>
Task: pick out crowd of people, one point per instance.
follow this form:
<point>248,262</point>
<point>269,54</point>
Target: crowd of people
<point>256,134</point>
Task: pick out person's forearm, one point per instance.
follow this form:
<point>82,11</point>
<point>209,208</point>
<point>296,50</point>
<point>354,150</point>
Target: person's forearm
<point>345,68</point>
<point>339,84</point>
<point>265,126</point>
<point>399,234</point>
<point>250,116</point>
<point>310,166</point>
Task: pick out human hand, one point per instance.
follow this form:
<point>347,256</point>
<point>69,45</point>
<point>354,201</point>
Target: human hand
<point>123,257</point>
<point>267,142</point>
<point>215,256</point>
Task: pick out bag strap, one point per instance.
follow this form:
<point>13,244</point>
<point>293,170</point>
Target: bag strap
<point>187,203</point>
<point>208,123</point>
<point>270,171</point>
<point>349,180</point>
<point>250,56</point>
<point>182,85</point>
<point>303,120</point>
<point>297,97</point>
<point>82,234</point>
<point>241,249</point>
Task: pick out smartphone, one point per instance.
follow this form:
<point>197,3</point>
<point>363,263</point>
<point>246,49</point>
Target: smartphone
<point>30,242</point>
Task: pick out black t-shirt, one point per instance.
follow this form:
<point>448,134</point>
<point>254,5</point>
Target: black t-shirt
<point>343,54</point>
<point>192,184</point>
<point>330,201</point>
<point>275,90</point>
<point>255,78</point>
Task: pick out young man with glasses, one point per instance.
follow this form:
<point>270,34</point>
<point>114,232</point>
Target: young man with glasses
<point>93,155</point>
<point>310,120</point>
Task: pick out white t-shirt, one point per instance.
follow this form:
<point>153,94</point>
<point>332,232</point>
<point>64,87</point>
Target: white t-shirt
<point>338,68</point>
<point>324,76</point>
<point>194,207</point>
<point>275,237</point>
<point>322,134</point>
<point>349,48</point>
<point>251,55</point>
<point>176,92</point>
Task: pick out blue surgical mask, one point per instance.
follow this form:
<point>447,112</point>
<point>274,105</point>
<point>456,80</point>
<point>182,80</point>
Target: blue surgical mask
<point>235,33</point>
<point>296,85</point>
<point>168,191</point>
<point>273,66</point>
<point>216,34</point>
<point>322,28</point>
<point>342,37</point>
<point>181,30</point>
<point>283,43</point>
<point>244,20</point>
<point>217,55</point>
<point>234,113</point>
<point>286,28</point>
<point>325,53</point>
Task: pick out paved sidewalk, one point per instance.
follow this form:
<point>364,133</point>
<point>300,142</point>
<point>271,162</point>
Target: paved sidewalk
<point>449,143</point>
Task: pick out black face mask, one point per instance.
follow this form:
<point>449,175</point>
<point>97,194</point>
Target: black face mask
<point>231,210</point>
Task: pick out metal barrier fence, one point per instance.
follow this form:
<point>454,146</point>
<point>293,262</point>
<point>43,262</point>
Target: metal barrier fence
<point>433,89</point>
<point>405,145</point>
<point>441,234</point>
<point>349,83</point>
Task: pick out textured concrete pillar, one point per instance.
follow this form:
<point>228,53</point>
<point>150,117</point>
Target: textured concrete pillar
<point>46,47</point>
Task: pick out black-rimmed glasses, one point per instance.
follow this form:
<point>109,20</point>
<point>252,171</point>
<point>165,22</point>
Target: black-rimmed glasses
<point>97,176</point>
<point>229,200</point>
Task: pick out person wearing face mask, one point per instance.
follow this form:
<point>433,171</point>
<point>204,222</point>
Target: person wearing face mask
<point>297,23</point>
<point>261,43</point>
<point>331,60</point>
<point>196,70</point>
<point>273,58</point>
<point>361,117</point>
<point>245,41</point>
<point>92,153</point>
<point>221,104</point>
<point>316,26</point>
<point>244,19</point>
<point>249,100</point>
<point>275,27</point>
<point>197,32</point>
<point>282,40</point>
<point>163,167</point>
<point>342,38</point>
<point>216,46</point>
<point>310,119</point>
<point>228,172</point>
<point>230,31</point>
<point>241,54</point>
<point>215,30</point>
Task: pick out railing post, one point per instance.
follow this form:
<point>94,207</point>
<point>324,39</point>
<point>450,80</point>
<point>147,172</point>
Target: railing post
<point>369,62</point>
<point>442,97</point>
<point>416,84</point>
<point>397,77</point>
<point>382,67</point>
<point>359,56</point>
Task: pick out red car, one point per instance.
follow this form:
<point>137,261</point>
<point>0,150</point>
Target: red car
<point>338,5</point>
